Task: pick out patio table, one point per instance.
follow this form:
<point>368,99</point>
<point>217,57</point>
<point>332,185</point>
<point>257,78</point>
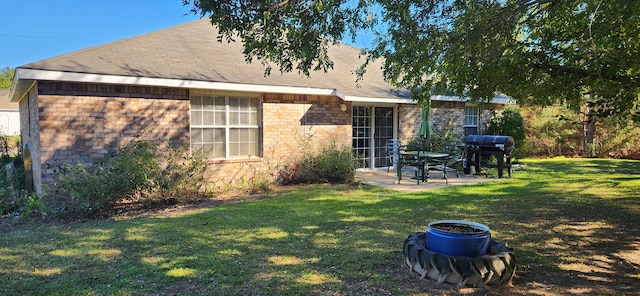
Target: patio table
<point>423,157</point>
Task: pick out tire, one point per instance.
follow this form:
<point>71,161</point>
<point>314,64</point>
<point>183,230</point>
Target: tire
<point>498,267</point>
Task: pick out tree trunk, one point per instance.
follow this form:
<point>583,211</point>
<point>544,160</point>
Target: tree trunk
<point>589,133</point>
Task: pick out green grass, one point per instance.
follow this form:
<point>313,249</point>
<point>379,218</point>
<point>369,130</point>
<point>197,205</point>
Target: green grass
<point>572,222</point>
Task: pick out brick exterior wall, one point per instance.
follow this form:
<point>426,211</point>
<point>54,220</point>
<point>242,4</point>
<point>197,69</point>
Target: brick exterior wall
<point>79,121</point>
<point>444,115</point>
<point>76,122</point>
<point>30,134</point>
<point>288,121</point>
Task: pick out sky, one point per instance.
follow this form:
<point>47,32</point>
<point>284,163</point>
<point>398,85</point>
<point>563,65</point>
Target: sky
<point>33,30</point>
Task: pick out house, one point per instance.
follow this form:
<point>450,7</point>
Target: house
<point>179,86</point>
<point>9,115</point>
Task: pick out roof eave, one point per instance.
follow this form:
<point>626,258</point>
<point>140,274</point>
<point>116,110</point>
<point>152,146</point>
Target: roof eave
<point>497,99</point>
<point>25,77</point>
<point>19,87</point>
<point>37,74</point>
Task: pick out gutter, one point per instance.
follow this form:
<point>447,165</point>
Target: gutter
<point>23,75</point>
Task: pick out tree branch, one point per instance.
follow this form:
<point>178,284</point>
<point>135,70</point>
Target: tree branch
<point>530,3</point>
<point>281,4</point>
<point>588,74</point>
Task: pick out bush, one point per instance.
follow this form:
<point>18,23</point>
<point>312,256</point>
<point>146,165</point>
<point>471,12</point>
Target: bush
<point>31,206</point>
<point>618,137</point>
<point>135,172</point>
<point>181,174</point>
<point>10,145</point>
<point>330,165</point>
<point>96,188</point>
<point>509,123</point>
<point>440,141</point>
<point>547,136</point>
<point>558,131</point>
<point>14,198</point>
<point>11,183</point>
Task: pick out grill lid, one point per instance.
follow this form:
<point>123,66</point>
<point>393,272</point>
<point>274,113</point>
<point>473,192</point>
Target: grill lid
<point>484,141</point>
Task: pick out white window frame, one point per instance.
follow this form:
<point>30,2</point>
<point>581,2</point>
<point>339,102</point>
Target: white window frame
<point>225,125</point>
<point>472,120</point>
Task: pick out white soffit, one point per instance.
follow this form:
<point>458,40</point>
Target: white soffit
<point>498,99</point>
<point>379,100</point>
<point>31,74</point>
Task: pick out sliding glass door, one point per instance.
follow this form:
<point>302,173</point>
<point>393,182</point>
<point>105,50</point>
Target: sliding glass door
<point>372,126</point>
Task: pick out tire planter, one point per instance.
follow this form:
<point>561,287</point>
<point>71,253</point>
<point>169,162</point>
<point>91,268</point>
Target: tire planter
<point>496,267</point>
<point>458,238</point>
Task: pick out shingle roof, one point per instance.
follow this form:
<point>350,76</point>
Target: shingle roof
<point>191,52</point>
<point>5,103</point>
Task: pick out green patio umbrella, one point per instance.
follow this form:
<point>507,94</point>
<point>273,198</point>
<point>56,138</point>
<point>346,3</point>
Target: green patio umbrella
<point>425,126</point>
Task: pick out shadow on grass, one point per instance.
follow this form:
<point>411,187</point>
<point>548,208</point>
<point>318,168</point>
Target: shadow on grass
<point>573,226</point>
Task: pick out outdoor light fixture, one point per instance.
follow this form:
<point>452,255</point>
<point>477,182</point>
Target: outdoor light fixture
<point>343,107</point>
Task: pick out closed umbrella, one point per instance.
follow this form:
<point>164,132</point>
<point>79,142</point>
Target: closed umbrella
<point>425,126</point>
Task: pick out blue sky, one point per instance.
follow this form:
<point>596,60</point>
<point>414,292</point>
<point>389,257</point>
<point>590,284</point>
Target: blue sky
<point>33,30</point>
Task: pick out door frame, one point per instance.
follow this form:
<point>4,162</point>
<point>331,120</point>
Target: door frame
<point>372,124</point>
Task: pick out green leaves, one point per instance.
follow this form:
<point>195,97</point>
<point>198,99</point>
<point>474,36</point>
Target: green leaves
<point>537,51</point>
<point>6,75</point>
<point>293,35</point>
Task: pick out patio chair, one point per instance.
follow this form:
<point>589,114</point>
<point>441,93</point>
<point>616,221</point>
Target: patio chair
<point>414,164</point>
<point>393,150</point>
<point>449,163</point>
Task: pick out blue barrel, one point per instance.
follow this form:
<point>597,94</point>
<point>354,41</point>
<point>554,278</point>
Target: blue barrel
<point>474,241</point>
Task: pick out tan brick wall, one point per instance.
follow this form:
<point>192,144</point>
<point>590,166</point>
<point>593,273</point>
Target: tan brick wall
<point>444,115</point>
<point>448,115</point>
<point>288,121</point>
<point>485,116</point>
<point>408,121</point>
<point>81,121</point>
<point>30,134</point>
<point>78,122</point>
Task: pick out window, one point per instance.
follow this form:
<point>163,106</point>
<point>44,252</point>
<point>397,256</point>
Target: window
<point>471,120</point>
<point>225,126</point>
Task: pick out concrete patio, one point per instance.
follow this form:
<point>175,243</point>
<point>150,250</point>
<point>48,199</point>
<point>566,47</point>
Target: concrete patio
<point>390,180</point>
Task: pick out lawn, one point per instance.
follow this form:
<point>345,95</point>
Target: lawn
<point>573,223</point>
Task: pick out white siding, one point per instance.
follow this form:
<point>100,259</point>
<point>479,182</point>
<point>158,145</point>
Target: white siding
<point>9,122</point>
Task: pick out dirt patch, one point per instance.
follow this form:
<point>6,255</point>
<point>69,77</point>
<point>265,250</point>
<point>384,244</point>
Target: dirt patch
<point>173,208</point>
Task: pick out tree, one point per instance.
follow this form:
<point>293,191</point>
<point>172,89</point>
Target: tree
<point>6,76</point>
<point>509,122</point>
<point>533,50</point>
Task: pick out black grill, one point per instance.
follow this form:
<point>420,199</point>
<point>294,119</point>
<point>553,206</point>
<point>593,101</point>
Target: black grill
<point>500,146</point>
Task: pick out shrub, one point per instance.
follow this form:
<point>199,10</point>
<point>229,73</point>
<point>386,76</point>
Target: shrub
<point>134,172</point>
<point>509,123</point>
<point>330,165</point>
<point>181,175</point>
<point>10,145</point>
<point>11,183</point>
<point>557,130</point>
<point>262,175</point>
<point>94,188</point>
<point>440,140</point>
<point>31,206</point>
<point>548,136</point>
<point>14,198</point>
<point>617,137</point>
